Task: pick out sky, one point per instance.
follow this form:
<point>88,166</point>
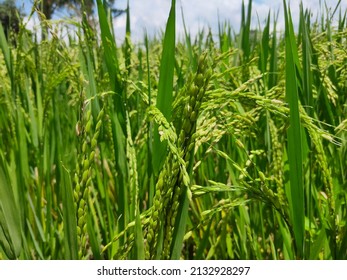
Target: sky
<point>151,15</point>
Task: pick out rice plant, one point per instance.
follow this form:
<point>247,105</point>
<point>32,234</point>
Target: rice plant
<point>227,147</point>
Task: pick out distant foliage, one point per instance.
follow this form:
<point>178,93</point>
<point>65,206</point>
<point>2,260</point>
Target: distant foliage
<point>49,7</point>
<point>9,16</point>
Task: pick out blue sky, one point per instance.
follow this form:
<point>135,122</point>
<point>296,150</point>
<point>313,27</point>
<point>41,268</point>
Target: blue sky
<point>151,15</point>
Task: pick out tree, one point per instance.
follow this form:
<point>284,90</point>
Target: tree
<point>48,7</point>
<point>9,17</point>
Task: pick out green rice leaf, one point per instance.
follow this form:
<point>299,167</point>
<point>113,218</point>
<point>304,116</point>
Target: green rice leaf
<point>110,55</point>
<point>180,227</point>
<point>6,50</point>
<point>139,240</point>
<point>165,86</point>
<point>69,218</point>
<point>296,202</point>
<point>10,222</point>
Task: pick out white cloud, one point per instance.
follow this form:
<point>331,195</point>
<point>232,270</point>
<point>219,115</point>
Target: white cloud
<point>152,14</point>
